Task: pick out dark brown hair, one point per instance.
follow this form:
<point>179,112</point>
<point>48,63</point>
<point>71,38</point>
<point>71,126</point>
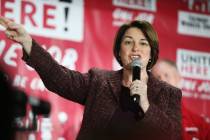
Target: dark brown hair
<point>149,33</point>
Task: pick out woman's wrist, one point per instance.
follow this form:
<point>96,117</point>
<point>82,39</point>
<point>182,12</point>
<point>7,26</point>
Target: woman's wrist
<point>144,103</point>
<point>27,45</point>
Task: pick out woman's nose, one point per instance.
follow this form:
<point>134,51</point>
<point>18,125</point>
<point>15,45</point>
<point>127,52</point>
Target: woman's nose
<point>135,48</point>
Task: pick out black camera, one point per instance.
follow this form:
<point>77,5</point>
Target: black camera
<point>26,110</point>
<point>15,105</point>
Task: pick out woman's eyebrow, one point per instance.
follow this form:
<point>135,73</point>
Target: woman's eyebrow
<point>128,37</point>
<point>144,39</point>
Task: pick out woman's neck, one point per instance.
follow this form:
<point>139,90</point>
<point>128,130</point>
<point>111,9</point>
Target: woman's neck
<point>128,75</point>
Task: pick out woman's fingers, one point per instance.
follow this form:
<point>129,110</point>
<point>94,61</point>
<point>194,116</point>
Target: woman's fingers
<point>138,87</point>
<point>19,28</point>
<point>4,21</point>
<point>16,32</point>
<point>10,25</point>
<point>11,34</point>
<point>13,26</point>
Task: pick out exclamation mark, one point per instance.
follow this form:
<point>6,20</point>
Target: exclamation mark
<point>66,12</point>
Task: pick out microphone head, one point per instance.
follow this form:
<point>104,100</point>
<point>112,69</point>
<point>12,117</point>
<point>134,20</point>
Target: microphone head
<point>136,69</point>
<point>136,63</point>
<point>39,106</point>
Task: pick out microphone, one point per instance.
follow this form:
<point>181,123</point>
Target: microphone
<point>136,70</point>
<point>22,121</point>
<point>39,106</point>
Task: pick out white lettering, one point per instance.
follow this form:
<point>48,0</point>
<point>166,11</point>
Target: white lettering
<point>70,59</point>
<point>20,81</point>
<point>199,6</point>
<point>55,53</point>
<point>193,64</point>
<point>47,18</point>
<point>187,94</point>
<point>37,84</point>
<point>189,85</point>
<point>149,5</point>
<point>46,128</point>
<point>11,55</point>
<point>121,16</point>
<point>193,24</point>
<point>8,9</point>
<point>204,87</point>
<point>145,16</point>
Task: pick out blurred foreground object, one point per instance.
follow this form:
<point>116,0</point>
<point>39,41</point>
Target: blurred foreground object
<point>14,105</point>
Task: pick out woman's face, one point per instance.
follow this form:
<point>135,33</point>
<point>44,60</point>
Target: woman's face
<point>134,45</point>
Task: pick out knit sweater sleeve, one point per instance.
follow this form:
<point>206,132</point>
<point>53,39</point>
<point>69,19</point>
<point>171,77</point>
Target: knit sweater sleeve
<point>67,83</point>
<point>166,123</point>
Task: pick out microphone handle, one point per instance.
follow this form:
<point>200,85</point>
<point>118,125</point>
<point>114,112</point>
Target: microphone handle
<point>136,76</point>
<point>136,73</point>
<point>136,98</point>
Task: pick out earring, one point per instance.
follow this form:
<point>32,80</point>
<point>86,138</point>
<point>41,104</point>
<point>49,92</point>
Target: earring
<point>150,60</point>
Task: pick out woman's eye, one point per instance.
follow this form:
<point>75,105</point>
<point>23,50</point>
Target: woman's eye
<point>128,42</point>
<point>144,44</point>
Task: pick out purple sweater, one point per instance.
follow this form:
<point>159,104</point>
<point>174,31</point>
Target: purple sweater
<point>99,90</point>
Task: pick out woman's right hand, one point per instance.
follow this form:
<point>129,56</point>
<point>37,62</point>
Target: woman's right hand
<point>17,33</point>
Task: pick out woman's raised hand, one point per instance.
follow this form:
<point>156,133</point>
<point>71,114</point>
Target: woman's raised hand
<point>17,33</point>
